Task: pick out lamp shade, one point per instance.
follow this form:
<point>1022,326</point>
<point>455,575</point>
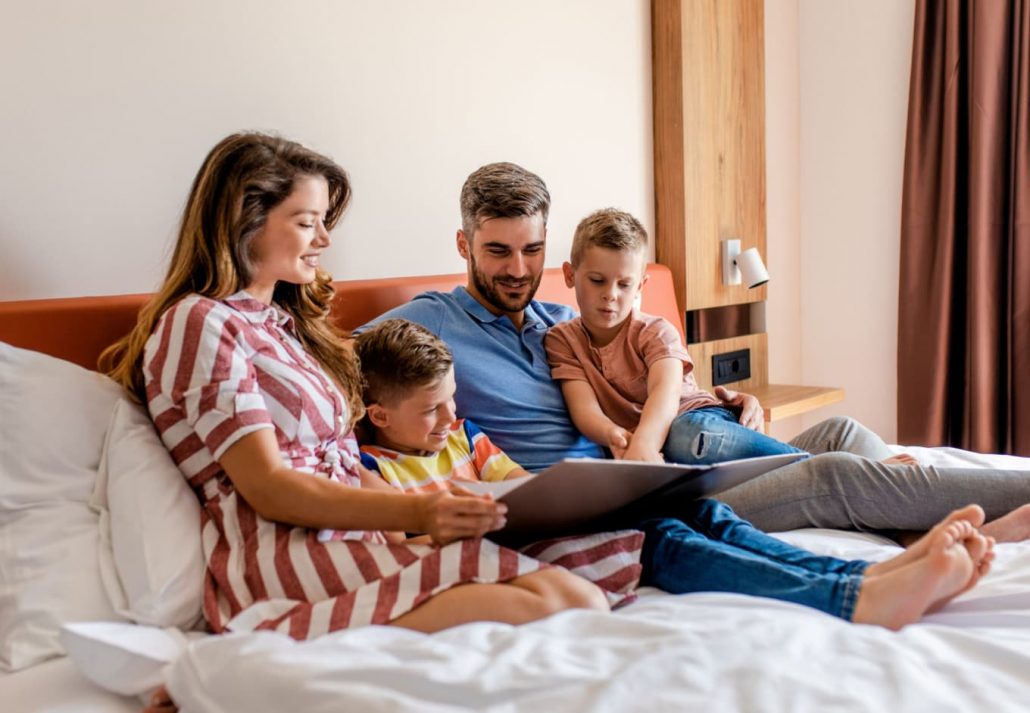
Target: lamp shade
<point>751,268</point>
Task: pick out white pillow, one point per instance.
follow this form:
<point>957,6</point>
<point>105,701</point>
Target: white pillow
<point>122,658</point>
<point>53,419</point>
<point>154,521</point>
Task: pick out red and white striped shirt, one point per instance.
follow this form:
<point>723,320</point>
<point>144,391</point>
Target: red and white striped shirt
<point>217,370</point>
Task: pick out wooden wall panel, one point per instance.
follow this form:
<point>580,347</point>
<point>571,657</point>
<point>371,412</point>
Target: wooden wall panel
<point>709,113</point>
<point>702,353</point>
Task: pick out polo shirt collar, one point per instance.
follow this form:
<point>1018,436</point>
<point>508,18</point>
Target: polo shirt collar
<point>257,312</point>
<point>471,305</point>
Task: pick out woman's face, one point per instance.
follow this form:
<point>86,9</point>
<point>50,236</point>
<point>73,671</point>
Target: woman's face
<point>290,245</point>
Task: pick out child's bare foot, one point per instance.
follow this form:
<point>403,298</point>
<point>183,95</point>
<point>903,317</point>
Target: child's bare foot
<point>901,596</point>
<point>973,514</point>
<point>161,702</point>
<point>1013,527</point>
<point>901,459</point>
<point>981,551</point>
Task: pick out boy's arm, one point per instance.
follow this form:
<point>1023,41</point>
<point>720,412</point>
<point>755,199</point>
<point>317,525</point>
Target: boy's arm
<point>664,383</point>
<point>590,419</point>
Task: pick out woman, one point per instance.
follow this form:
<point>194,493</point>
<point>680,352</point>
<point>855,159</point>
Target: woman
<point>253,396</point>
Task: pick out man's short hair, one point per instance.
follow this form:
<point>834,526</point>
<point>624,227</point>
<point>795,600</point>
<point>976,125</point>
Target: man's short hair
<point>398,356</point>
<point>608,228</point>
<point>502,190</point>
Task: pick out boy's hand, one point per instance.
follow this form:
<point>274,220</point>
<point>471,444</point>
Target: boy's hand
<point>618,441</point>
<point>750,410</point>
<point>642,453</point>
<point>458,514</point>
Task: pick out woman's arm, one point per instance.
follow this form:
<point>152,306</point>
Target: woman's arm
<point>664,384</point>
<point>590,419</point>
<point>278,493</point>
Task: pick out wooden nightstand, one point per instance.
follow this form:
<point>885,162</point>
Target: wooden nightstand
<point>780,401</point>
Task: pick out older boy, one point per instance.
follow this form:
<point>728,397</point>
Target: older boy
<point>626,376</point>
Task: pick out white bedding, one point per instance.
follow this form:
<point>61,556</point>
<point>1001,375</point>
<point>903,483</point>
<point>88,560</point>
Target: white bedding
<point>693,652</point>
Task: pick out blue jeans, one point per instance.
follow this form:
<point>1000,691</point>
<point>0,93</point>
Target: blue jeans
<point>709,549</point>
<point>713,435</point>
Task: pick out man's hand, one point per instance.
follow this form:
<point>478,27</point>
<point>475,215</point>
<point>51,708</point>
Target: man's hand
<point>618,441</point>
<point>750,410</point>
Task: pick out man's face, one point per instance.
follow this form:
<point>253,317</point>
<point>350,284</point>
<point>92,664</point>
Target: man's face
<point>505,262</point>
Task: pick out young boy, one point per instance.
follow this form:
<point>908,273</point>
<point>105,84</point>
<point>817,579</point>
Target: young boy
<point>419,443</point>
<point>625,375</point>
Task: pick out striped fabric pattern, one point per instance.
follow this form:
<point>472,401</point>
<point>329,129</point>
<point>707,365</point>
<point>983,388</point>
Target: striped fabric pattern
<point>468,455</point>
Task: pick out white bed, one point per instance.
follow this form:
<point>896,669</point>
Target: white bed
<point>720,652</point>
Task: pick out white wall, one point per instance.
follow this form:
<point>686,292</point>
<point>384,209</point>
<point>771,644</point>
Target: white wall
<point>108,108</point>
<point>783,198</point>
<point>854,68</point>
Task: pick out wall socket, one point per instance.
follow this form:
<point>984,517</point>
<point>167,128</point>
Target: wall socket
<point>731,366</point>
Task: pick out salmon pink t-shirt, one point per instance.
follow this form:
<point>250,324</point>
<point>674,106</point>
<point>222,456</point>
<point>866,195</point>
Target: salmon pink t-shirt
<point>617,372</point>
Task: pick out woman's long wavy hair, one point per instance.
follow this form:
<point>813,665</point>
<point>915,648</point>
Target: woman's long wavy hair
<point>241,180</point>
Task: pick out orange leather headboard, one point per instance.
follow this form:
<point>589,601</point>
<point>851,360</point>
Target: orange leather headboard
<point>79,328</point>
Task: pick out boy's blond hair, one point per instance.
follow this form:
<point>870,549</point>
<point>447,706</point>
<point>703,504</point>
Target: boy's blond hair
<point>608,228</point>
<point>398,356</point>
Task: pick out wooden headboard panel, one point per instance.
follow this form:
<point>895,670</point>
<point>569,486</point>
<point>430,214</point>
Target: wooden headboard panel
<point>79,328</point>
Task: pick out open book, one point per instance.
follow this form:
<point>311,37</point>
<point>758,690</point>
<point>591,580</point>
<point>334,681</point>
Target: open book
<point>569,496</point>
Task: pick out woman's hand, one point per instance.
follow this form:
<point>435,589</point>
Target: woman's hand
<point>458,514</point>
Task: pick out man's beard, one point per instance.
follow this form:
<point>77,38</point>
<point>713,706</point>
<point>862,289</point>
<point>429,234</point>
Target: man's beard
<point>492,292</point>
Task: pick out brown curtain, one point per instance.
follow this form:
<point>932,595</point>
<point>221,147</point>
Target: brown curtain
<point>964,297</point>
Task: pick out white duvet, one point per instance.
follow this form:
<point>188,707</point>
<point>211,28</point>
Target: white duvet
<point>713,652</point>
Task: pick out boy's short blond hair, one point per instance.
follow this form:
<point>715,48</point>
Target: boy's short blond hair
<point>398,356</point>
<point>608,228</point>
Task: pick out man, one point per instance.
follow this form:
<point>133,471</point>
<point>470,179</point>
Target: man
<point>495,329</point>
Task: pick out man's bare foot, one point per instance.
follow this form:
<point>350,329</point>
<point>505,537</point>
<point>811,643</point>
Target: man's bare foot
<point>901,596</point>
<point>1014,527</point>
<point>973,514</point>
<point>901,459</point>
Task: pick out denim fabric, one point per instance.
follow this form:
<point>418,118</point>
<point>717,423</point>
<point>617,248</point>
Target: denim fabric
<point>709,549</point>
<point>713,435</point>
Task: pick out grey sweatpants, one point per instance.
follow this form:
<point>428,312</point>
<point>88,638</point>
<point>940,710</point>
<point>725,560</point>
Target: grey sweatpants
<point>852,490</point>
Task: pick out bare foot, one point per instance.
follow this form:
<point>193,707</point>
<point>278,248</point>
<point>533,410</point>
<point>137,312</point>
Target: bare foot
<point>973,514</point>
<point>901,596</point>
<point>1014,527</point>
<point>901,459</point>
<point>161,702</point>
<point>981,551</point>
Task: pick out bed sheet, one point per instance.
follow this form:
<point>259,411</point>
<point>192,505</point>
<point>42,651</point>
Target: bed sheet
<point>664,652</point>
<point>56,686</point>
<point>691,652</point>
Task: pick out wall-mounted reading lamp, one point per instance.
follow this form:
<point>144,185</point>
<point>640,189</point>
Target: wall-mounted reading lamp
<point>747,265</point>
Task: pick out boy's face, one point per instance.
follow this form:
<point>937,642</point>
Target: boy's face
<point>607,284</point>
<point>419,423</point>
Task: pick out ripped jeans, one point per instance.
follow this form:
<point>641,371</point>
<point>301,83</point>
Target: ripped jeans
<point>713,435</point>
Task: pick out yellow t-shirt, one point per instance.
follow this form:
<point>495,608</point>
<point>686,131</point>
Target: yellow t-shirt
<point>467,455</point>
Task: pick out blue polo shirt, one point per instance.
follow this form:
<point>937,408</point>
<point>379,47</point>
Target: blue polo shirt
<point>503,381</point>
